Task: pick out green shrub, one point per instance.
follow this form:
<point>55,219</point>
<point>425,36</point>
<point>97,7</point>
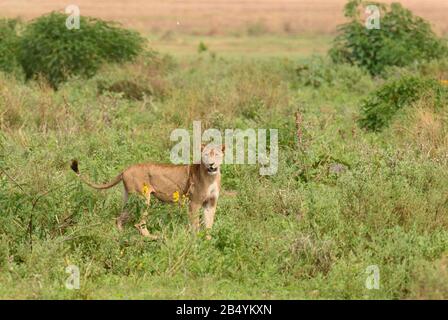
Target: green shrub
<point>401,40</point>
<point>317,72</point>
<point>149,72</point>
<point>379,108</point>
<point>202,47</point>
<point>9,45</point>
<point>50,49</point>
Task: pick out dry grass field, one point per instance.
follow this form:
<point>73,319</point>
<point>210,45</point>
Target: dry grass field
<point>220,16</point>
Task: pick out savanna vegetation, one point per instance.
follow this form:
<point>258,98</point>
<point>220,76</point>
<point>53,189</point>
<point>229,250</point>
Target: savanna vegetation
<point>361,180</point>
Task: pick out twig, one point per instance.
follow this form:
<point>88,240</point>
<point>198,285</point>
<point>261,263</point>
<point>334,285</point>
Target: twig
<point>181,258</point>
<point>70,236</point>
<point>12,179</point>
<point>34,201</point>
<point>299,132</point>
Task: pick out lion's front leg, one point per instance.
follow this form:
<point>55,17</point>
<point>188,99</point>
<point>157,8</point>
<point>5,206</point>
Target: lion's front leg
<point>209,215</point>
<point>193,213</point>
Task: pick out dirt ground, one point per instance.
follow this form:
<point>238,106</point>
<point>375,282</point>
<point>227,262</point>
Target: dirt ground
<point>220,16</point>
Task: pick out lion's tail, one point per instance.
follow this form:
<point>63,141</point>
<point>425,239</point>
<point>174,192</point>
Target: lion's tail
<point>108,185</point>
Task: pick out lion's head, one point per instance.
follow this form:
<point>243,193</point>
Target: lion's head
<point>212,157</point>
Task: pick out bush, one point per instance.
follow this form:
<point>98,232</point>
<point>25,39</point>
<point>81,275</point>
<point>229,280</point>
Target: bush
<point>379,108</point>
<point>401,40</point>
<point>318,72</point>
<point>149,71</point>
<point>50,49</point>
<point>202,47</point>
<point>9,45</point>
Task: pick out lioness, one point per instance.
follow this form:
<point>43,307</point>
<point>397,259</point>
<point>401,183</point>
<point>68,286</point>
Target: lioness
<point>201,183</point>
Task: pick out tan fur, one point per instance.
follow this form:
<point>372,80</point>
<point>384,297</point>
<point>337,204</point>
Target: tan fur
<point>165,181</point>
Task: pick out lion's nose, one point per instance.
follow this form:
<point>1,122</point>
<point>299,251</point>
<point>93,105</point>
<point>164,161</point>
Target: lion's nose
<point>211,164</point>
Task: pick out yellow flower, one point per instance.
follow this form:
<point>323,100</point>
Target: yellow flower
<point>176,196</point>
<point>444,82</point>
<point>145,189</point>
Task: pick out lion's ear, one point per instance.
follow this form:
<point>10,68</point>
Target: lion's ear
<point>223,147</point>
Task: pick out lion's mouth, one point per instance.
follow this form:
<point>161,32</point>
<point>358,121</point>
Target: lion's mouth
<point>212,170</point>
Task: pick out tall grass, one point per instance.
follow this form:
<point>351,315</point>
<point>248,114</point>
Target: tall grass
<point>307,232</point>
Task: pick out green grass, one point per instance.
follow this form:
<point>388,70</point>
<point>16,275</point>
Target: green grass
<point>304,233</point>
